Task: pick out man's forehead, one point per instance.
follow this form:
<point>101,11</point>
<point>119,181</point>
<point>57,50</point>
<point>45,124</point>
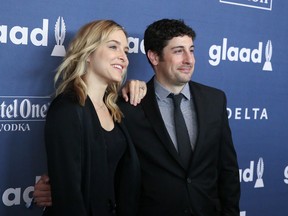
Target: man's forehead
<point>180,41</point>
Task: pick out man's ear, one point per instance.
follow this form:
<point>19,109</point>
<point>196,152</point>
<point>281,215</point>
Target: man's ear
<point>153,57</point>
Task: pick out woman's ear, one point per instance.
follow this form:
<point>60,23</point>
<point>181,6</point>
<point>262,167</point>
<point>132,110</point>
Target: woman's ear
<point>88,59</point>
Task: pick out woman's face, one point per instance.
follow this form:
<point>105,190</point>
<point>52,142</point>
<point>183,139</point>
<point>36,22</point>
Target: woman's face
<point>109,62</point>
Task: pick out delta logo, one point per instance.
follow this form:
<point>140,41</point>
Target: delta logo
<point>256,4</point>
<point>230,52</point>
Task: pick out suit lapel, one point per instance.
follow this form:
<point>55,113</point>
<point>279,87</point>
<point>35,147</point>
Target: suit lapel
<point>199,104</point>
<point>153,114</point>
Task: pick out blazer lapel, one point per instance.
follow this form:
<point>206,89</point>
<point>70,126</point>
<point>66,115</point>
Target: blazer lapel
<point>200,107</point>
<point>153,114</point>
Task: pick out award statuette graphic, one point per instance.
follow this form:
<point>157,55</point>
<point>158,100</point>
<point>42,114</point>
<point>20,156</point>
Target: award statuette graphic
<point>268,55</point>
<point>286,175</point>
<point>60,31</point>
<point>260,170</point>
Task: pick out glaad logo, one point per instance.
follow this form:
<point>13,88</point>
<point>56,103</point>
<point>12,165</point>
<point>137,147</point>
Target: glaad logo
<point>268,55</point>
<point>12,196</point>
<point>286,175</point>
<point>136,45</point>
<point>20,35</point>
<point>247,175</point>
<point>218,53</point>
<point>260,170</point>
<point>257,4</point>
<point>60,32</point>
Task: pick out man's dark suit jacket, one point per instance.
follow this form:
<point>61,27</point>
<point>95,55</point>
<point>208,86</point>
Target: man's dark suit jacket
<point>211,185</point>
<point>78,166</point>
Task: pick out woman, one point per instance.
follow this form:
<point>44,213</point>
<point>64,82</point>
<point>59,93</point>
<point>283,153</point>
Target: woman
<point>92,164</point>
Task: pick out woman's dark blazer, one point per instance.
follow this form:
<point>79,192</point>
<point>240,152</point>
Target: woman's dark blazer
<point>78,166</point>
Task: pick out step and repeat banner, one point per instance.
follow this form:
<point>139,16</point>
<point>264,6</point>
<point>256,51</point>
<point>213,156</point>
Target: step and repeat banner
<point>241,48</point>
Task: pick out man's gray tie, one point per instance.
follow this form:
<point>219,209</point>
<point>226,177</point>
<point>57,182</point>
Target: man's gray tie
<point>182,136</point>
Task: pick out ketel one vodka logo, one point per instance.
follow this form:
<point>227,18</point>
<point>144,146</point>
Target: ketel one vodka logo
<point>60,32</point>
<point>17,112</point>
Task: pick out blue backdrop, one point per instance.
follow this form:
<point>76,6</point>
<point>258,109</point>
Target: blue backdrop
<point>241,48</point>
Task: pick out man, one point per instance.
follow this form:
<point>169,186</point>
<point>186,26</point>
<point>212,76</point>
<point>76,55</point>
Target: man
<point>208,185</point>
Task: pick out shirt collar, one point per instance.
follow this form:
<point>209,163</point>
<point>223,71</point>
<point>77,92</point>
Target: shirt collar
<point>162,93</point>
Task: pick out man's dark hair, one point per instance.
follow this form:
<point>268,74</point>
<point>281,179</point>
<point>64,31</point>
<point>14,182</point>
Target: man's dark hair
<point>158,34</point>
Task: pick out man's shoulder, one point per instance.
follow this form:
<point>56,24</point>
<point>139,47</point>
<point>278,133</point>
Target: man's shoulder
<point>126,104</point>
<point>199,87</point>
<point>121,102</point>
<point>131,111</point>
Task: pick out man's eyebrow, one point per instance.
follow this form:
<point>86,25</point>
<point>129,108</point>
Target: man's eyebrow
<point>177,47</point>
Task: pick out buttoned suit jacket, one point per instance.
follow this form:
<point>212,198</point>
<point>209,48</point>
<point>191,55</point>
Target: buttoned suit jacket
<point>210,187</point>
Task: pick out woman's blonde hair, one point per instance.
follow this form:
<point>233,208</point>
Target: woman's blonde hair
<point>70,73</point>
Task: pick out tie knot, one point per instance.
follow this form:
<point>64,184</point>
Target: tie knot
<point>176,99</point>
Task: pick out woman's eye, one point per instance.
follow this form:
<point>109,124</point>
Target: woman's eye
<point>113,47</point>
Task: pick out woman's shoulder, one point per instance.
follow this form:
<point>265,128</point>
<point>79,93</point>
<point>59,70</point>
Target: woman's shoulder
<point>64,104</point>
<point>65,98</point>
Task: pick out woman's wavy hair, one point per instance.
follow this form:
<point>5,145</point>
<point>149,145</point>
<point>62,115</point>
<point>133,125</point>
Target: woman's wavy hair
<point>69,76</point>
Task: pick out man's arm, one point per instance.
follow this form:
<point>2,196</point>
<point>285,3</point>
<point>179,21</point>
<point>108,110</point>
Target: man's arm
<point>42,192</point>
<point>229,183</point>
